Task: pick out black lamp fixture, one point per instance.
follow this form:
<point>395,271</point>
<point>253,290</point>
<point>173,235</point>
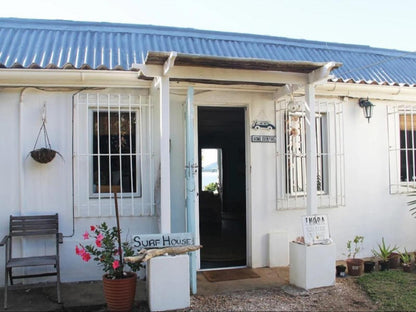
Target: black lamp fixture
<point>367,107</point>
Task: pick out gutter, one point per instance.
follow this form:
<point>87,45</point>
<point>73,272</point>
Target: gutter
<point>376,92</point>
<point>70,78</point>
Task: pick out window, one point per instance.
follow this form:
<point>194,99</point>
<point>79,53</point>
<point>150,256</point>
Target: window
<point>291,155</point>
<point>113,152</point>
<point>295,144</point>
<point>407,147</point>
<point>402,148</point>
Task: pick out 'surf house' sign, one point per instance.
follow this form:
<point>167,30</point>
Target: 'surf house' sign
<point>315,229</point>
<point>147,241</point>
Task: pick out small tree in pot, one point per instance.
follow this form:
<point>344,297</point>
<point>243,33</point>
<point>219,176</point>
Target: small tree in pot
<point>355,265</point>
<point>384,253</point>
<point>406,259</point>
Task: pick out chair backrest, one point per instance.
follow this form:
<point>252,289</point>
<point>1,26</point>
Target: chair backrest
<point>33,225</point>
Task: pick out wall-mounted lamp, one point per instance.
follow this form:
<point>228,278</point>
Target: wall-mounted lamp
<point>367,107</point>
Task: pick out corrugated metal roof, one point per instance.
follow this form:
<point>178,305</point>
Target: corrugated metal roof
<point>31,43</point>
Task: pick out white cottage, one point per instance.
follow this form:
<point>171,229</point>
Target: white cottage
<point>232,137</point>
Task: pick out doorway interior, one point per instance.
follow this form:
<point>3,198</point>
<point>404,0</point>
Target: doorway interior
<point>222,187</point>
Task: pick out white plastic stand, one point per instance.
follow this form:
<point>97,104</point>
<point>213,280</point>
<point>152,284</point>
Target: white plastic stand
<point>312,266</point>
<point>168,283</point>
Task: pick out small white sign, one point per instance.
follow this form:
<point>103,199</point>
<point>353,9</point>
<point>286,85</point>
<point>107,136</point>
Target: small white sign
<point>315,229</point>
<point>263,138</point>
<point>147,241</point>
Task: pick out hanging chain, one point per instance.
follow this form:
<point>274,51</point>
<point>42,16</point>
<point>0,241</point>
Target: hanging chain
<point>45,132</point>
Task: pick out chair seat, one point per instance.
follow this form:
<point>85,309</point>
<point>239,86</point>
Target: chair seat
<point>31,261</point>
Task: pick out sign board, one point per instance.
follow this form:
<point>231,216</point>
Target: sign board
<point>141,241</point>
<point>315,229</point>
<point>263,138</point>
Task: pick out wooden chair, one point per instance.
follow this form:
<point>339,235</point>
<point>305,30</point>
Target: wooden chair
<point>37,227</point>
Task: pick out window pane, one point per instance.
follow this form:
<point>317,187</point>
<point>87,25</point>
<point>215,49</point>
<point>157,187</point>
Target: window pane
<point>407,148</point>
<point>295,142</point>
<point>114,141</point>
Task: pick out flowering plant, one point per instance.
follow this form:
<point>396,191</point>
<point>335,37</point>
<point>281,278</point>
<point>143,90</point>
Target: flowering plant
<point>106,250</point>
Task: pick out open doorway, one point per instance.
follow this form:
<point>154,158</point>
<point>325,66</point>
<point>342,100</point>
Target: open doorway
<point>222,187</point>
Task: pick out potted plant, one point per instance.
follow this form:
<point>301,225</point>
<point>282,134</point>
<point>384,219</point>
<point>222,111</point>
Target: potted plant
<point>384,253</point>
<point>406,259</point>
<point>355,265</point>
<point>394,260</point>
<point>106,249</point>
<point>340,268</point>
<point>369,266</point>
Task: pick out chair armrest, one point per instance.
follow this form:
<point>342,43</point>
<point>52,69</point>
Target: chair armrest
<point>4,240</point>
<point>60,238</point>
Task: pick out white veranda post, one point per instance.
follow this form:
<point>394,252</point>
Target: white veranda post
<point>165,211</point>
<point>311,169</point>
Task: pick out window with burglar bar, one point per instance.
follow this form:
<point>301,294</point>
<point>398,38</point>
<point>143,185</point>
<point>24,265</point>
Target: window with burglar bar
<point>113,153</point>
<point>291,155</point>
<point>402,147</point>
<point>295,154</point>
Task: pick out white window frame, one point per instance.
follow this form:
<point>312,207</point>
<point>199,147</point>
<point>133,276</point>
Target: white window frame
<point>333,194</point>
<point>89,204</point>
<point>396,184</point>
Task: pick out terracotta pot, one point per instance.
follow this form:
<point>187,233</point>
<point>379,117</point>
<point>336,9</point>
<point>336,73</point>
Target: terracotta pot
<point>119,293</point>
<point>355,266</point>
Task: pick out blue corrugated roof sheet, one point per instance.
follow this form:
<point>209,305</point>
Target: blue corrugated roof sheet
<point>68,44</point>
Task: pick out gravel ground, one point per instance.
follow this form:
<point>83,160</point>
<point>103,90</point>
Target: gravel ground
<point>346,295</point>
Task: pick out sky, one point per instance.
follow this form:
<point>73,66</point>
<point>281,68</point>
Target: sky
<point>378,23</point>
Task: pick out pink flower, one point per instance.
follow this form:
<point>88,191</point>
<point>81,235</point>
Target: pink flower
<point>92,228</point>
<point>86,256</point>
<point>86,235</point>
<point>116,264</point>
<point>98,242</point>
<point>77,250</point>
<point>100,237</point>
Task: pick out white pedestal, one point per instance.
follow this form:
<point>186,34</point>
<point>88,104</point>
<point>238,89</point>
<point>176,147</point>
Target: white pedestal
<point>278,249</point>
<point>312,266</point>
<point>168,283</point>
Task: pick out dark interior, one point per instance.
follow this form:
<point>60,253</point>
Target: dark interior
<point>222,216</point>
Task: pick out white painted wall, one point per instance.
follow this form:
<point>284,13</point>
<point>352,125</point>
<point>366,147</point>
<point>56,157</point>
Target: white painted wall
<point>369,208</point>
<point>369,211</point>
<point>47,188</point>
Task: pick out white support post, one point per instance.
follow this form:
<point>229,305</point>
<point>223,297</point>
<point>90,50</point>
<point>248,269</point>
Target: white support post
<point>165,211</point>
<point>311,170</point>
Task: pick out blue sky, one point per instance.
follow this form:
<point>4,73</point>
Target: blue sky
<point>379,23</point>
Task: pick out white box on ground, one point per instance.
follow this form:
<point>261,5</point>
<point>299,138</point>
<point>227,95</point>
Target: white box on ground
<point>312,266</point>
<point>168,283</point>
<point>278,249</point>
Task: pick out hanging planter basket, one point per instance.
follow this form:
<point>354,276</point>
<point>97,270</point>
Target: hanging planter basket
<point>44,154</point>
